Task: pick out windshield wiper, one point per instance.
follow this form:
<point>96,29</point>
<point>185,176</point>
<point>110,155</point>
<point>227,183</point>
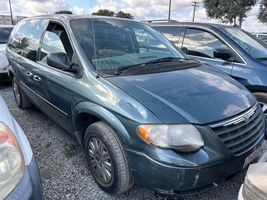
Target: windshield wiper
<point>122,69</point>
<point>164,59</point>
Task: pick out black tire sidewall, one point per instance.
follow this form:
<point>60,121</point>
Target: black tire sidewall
<point>94,131</point>
<point>14,81</point>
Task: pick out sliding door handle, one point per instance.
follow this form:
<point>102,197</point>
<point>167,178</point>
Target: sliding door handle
<point>37,78</point>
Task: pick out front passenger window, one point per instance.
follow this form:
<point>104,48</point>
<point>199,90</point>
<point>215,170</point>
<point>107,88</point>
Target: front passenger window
<point>51,44</point>
<point>55,40</point>
<point>201,43</point>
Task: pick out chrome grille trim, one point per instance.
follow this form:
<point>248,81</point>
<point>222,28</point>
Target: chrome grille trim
<point>242,133</point>
<point>236,120</point>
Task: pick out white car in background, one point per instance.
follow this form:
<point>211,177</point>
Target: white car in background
<point>5,31</point>
<point>19,175</point>
<point>255,184</point>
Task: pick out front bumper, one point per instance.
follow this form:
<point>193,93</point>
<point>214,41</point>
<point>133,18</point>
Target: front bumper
<point>178,180</point>
<point>30,186</point>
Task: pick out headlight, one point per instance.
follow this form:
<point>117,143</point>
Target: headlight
<point>184,138</point>
<point>11,161</point>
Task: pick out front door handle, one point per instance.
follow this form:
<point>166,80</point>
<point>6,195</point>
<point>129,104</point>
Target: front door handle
<point>29,74</point>
<point>37,78</point>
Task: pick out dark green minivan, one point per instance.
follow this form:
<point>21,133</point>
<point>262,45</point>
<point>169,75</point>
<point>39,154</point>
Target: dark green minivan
<point>143,111</point>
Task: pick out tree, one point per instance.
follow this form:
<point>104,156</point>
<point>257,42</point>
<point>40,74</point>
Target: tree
<point>124,15</point>
<point>263,11</point>
<point>104,12</point>
<point>229,11</point>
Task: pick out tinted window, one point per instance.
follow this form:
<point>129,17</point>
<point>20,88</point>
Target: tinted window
<point>201,43</point>
<point>251,45</point>
<point>55,41</point>
<point>110,44</point>
<point>4,35</point>
<point>173,33</point>
<point>25,39</point>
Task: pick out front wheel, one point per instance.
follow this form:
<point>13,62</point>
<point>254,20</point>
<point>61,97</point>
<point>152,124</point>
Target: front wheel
<point>262,99</point>
<point>107,159</point>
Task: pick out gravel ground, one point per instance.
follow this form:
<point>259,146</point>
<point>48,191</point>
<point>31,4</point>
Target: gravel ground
<point>63,167</point>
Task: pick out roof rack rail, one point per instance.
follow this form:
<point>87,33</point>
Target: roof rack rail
<point>63,12</point>
<point>158,20</point>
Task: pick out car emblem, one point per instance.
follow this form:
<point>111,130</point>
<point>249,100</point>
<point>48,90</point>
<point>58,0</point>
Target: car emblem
<point>246,117</point>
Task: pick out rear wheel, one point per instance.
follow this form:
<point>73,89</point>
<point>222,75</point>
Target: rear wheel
<point>20,98</point>
<point>262,99</point>
<point>107,159</point>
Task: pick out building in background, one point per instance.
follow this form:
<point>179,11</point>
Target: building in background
<point>6,19</point>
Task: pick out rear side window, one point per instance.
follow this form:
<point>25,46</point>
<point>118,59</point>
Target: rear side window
<point>25,39</point>
<point>4,35</point>
<point>172,33</point>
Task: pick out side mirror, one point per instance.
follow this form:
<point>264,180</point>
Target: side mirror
<point>185,50</point>
<point>59,60</point>
<point>222,53</point>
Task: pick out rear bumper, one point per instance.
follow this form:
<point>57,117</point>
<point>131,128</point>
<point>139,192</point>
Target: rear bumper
<point>179,180</point>
<point>30,186</point>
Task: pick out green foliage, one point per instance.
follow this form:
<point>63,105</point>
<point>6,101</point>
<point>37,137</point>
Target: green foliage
<point>106,12</point>
<point>263,12</point>
<point>124,15</point>
<point>229,11</point>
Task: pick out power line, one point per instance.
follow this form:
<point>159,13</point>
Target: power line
<point>195,5</point>
<point>170,6</point>
<point>11,14</point>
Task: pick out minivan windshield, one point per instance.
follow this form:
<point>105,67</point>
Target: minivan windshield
<point>4,35</point>
<point>113,44</point>
<point>256,49</point>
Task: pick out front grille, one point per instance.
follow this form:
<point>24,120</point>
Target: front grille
<point>242,133</point>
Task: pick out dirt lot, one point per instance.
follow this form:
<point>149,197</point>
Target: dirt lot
<point>63,166</point>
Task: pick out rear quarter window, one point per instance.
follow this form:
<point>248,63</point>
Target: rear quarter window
<point>25,38</point>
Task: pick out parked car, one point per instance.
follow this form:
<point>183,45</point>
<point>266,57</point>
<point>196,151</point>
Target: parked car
<point>255,184</point>
<point>144,112</point>
<point>5,31</point>
<point>262,36</point>
<point>4,64</point>
<point>223,47</point>
<point>19,175</point>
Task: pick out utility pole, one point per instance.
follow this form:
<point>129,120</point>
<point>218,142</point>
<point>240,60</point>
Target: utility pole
<point>195,5</point>
<point>170,6</point>
<point>11,14</point>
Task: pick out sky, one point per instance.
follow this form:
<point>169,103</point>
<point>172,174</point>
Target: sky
<point>182,10</point>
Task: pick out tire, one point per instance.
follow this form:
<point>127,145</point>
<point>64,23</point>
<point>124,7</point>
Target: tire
<point>262,99</point>
<point>112,157</point>
<point>20,97</point>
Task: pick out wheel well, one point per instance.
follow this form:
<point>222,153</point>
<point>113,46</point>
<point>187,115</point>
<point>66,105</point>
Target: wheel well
<point>82,121</point>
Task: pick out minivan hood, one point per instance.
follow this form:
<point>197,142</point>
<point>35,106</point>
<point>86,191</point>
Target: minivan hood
<point>197,95</point>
